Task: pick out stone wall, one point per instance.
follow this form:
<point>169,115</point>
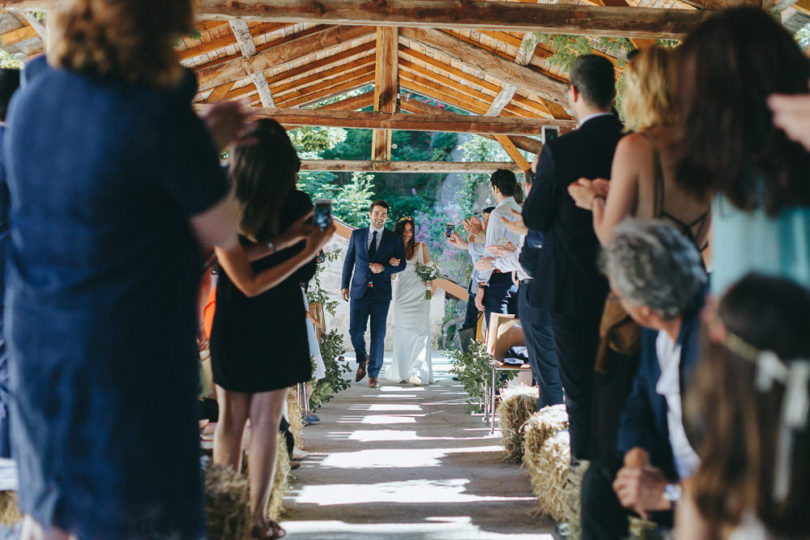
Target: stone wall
<point>330,281</point>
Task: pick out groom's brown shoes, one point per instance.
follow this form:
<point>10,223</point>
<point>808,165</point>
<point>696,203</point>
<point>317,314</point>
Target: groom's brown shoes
<point>361,372</point>
<point>373,382</point>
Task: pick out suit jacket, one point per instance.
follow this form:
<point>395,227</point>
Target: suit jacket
<point>644,417</point>
<point>575,286</point>
<point>357,261</point>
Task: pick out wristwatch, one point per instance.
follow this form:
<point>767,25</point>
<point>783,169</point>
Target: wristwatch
<point>672,493</point>
<point>271,246</point>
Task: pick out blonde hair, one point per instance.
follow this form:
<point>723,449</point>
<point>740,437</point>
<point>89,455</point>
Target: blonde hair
<point>647,100</point>
<point>128,40</point>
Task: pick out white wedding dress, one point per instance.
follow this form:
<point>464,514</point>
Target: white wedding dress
<point>411,326</point>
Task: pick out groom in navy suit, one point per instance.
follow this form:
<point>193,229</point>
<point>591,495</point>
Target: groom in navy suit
<point>375,254</point>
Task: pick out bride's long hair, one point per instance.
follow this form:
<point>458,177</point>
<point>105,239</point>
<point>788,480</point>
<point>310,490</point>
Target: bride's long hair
<point>399,228</point>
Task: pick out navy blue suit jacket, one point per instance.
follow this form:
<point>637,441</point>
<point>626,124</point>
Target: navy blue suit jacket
<point>644,417</point>
<point>357,261</point>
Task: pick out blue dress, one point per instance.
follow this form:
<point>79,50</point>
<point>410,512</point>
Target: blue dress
<point>100,306</point>
<point>745,242</point>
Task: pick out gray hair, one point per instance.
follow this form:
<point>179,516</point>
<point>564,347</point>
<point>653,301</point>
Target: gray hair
<point>652,264</point>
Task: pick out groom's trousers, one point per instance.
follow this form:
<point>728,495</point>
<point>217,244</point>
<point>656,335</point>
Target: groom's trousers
<point>370,306</point>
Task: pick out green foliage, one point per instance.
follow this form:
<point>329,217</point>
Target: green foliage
<point>332,351</point>
<point>668,43</point>
<point>566,48</point>
<point>473,372</point>
<point>313,140</point>
<point>350,202</point>
<point>315,292</point>
<point>39,15</point>
<point>10,61</point>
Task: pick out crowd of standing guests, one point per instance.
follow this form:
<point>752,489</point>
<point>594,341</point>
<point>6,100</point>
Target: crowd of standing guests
<point>680,400</point>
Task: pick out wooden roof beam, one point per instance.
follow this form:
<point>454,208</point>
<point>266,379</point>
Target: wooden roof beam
<point>293,49</point>
<point>320,76</point>
<point>327,92</point>
<point>406,166</point>
<point>445,95</point>
<point>409,122</point>
<point>352,56</point>
<point>620,21</point>
<point>522,77</point>
<point>351,103</point>
<point>206,47</point>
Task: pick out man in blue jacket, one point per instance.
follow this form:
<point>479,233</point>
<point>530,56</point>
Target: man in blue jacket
<point>659,277</point>
<point>374,255</point>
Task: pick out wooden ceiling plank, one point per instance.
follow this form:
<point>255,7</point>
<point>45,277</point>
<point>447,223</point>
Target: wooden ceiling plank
<point>34,23</point>
<point>406,166</point>
<point>220,43</point>
<point>219,93</point>
<point>440,79</point>
<point>16,36</point>
<point>508,71</point>
<point>280,89</point>
<point>292,49</point>
<point>346,75</point>
<point>351,103</point>
<point>330,91</point>
<point>449,69</point>
<point>461,100</point>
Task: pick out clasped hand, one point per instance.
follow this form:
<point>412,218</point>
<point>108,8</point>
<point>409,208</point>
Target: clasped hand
<point>640,486</point>
<point>484,264</point>
<point>584,190</point>
<point>376,268</point>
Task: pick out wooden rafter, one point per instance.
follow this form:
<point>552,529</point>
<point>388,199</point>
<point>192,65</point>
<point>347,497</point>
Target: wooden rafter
<point>244,39</point>
<point>34,23</point>
<point>445,95</point>
<point>313,69</point>
<point>524,143</point>
<point>409,122</point>
<point>505,70</point>
<point>407,166</point>
<point>212,45</point>
<point>386,88</point>
<point>292,49</point>
<point>353,103</point>
<point>320,76</point>
<point>318,92</point>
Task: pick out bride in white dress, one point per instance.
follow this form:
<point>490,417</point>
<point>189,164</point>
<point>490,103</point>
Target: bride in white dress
<point>411,362</point>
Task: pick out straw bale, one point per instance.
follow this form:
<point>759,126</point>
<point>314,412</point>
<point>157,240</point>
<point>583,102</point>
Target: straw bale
<point>548,467</point>
<point>294,412</point>
<point>518,403</point>
<point>227,503</point>
<point>9,512</point>
<point>275,507</point>
<point>571,491</point>
<point>643,529</point>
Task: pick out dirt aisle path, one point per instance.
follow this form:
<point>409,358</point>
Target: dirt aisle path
<point>408,462</point>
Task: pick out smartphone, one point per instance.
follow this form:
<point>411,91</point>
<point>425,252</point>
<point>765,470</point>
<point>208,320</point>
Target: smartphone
<point>449,230</point>
<point>322,217</point>
<point>550,133</point>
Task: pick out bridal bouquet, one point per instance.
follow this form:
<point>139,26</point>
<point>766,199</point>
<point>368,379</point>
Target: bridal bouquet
<point>427,273</point>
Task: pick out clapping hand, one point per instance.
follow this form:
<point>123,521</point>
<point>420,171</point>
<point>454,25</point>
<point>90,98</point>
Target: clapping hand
<point>472,225</point>
<point>791,113</point>
<point>502,251</point>
<point>226,121</point>
<point>583,191</point>
<point>484,264</point>
<point>517,226</point>
<point>394,261</point>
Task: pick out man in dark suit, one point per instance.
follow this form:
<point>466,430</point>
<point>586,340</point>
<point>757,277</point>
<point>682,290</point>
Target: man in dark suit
<point>374,255</point>
<point>574,291</point>
<point>659,278</point>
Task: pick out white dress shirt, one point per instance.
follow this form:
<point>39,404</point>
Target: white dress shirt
<point>497,233</point>
<point>511,263</point>
<point>669,386</point>
<point>592,116</point>
<point>371,231</point>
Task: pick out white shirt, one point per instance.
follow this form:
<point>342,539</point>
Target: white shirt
<point>592,116</point>
<point>669,386</point>
<point>511,263</point>
<point>497,233</point>
<point>477,251</point>
<point>371,231</point>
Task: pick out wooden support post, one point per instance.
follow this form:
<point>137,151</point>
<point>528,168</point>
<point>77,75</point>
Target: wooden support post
<point>386,88</point>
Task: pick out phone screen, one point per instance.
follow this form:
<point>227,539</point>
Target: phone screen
<point>449,230</point>
<point>323,213</point>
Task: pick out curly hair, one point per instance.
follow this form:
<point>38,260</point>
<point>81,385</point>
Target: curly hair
<point>126,40</point>
<point>652,264</point>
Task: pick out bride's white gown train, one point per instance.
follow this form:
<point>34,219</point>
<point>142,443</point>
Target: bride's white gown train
<point>411,327</point>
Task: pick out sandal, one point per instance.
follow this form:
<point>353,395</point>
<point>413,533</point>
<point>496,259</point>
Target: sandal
<point>271,531</point>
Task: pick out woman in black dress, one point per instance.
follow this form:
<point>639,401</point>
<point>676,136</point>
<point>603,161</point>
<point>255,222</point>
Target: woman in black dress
<point>259,345</point>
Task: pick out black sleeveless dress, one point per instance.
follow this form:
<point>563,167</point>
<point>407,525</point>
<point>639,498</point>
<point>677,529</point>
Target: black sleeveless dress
<point>260,344</point>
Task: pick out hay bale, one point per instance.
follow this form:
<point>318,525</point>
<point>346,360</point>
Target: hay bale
<point>294,412</point>
<point>227,503</point>
<point>9,512</point>
<point>643,529</point>
<point>275,507</point>
<point>571,505</point>
<point>518,403</point>
<point>548,468</point>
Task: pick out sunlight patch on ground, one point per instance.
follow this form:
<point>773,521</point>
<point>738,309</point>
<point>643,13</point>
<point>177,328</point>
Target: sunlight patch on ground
<point>425,491</point>
<point>400,458</point>
<point>384,407</point>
